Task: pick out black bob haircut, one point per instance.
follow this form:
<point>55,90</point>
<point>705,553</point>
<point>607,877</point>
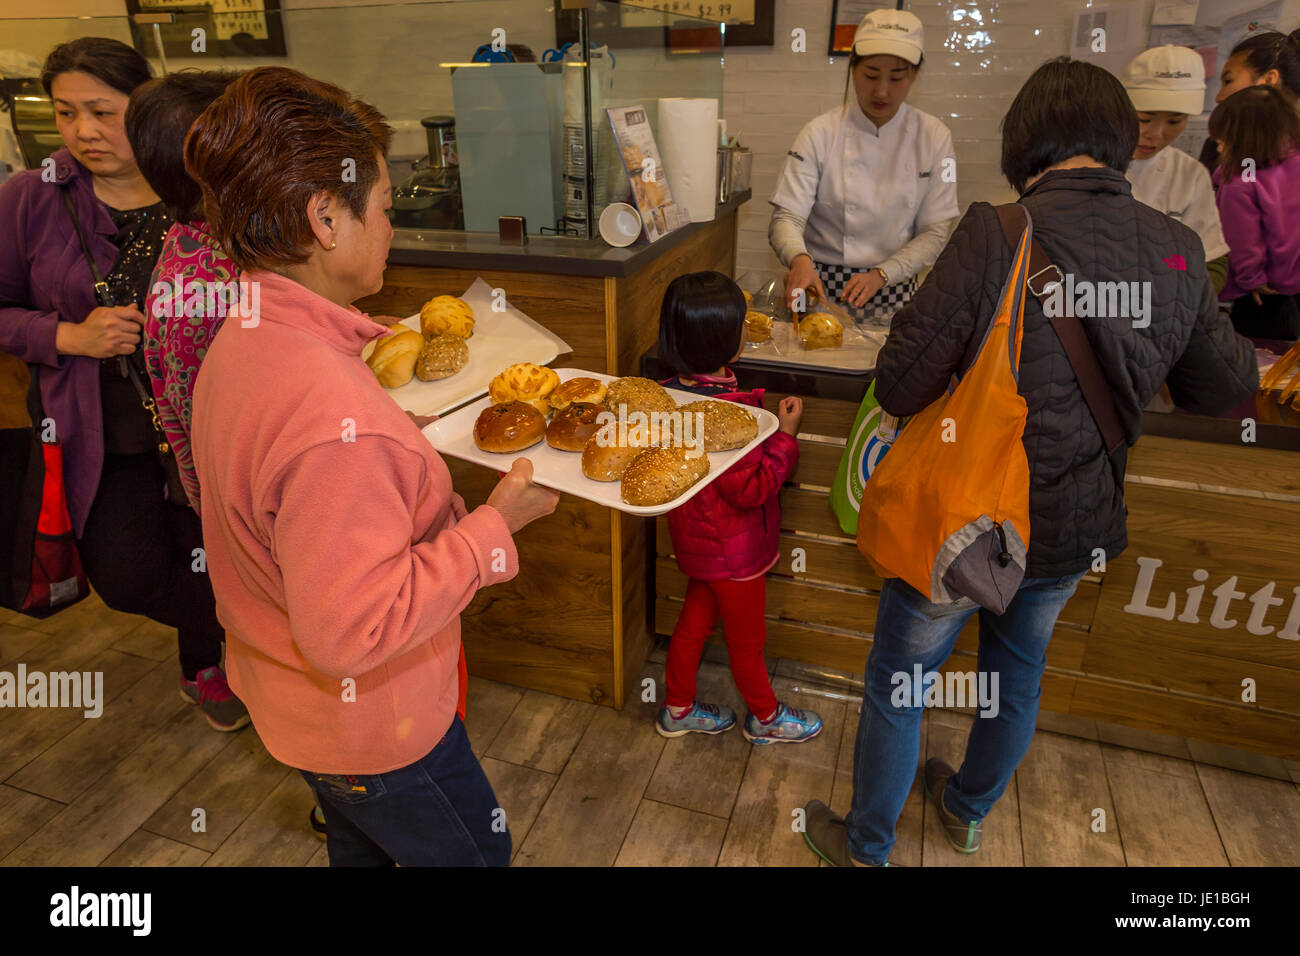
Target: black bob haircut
<point>1067,108</point>
<point>159,115</point>
<point>111,62</point>
<point>701,323</point>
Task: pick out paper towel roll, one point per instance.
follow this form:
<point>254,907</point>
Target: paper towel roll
<point>688,131</point>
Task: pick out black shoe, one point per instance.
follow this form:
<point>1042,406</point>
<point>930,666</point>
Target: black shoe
<point>827,835</point>
<point>964,837</point>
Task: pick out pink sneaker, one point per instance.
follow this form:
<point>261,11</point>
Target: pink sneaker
<point>224,711</point>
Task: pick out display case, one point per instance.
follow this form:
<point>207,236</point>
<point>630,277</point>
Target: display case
<point>501,87</point>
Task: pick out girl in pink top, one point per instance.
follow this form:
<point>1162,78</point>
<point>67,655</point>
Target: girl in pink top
<point>1258,179</point>
<point>340,555</point>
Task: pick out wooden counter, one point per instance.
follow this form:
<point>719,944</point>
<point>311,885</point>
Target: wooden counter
<point>1227,513</point>
<point>575,621</point>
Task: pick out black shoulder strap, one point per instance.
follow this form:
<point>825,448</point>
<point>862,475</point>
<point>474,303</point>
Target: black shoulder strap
<point>101,287</point>
<point>1092,380</point>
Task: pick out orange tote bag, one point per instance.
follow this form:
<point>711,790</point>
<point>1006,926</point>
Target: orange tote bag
<point>947,510</point>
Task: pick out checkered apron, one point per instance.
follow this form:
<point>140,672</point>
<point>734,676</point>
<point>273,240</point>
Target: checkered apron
<point>880,308</point>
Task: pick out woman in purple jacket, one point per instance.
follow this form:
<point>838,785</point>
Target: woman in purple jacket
<point>1258,179</point>
<point>141,552</point>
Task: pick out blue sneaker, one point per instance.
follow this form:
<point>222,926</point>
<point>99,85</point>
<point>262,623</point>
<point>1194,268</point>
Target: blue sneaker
<point>700,719</point>
<point>789,725</point>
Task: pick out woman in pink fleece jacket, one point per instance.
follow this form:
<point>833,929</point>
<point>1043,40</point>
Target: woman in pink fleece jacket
<point>340,556</point>
<point>1258,195</point>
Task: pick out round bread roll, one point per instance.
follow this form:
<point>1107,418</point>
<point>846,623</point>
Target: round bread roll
<point>605,457</point>
<point>393,358</point>
<point>442,356</point>
<point>590,390</point>
<point>658,475</point>
<point>758,327</point>
<point>574,426</point>
<point>446,314</point>
<point>820,331</point>
<point>525,382</point>
<point>513,426</point>
<point>727,425</point>
<point>639,395</point>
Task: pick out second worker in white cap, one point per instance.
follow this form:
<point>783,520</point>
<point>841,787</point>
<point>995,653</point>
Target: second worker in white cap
<point>1167,86</point>
<point>868,193</point>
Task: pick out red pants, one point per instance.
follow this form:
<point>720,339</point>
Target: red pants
<point>741,604</point>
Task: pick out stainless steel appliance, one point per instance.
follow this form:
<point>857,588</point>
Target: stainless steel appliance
<point>33,118</point>
<point>430,198</point>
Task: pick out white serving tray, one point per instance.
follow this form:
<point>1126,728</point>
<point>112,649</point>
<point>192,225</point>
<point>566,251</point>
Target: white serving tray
<point>562,470</point>
<point>499,339</point>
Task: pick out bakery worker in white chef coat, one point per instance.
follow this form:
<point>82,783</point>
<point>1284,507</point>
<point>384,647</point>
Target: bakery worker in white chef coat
<point>1167,85</point>
<point>866,200</point>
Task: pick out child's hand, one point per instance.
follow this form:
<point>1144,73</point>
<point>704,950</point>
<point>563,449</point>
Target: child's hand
<point>789,414</point>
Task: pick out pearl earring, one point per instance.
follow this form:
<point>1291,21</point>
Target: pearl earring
<point>333,243</point>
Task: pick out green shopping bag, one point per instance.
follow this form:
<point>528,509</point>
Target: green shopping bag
<point>866,446</point>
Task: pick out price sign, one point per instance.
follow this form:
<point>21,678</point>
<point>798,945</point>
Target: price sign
<point>735,11</point>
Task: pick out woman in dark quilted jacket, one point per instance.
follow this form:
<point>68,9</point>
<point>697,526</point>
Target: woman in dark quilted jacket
<point>726,537</point>
<point>1067,140</point>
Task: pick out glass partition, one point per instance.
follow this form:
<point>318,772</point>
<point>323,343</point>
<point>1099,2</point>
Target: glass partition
<point>492,115</point>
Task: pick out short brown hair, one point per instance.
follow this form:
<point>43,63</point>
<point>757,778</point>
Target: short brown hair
<point>274,139</point>
<point>1256,123</point>
<point>158,117</point>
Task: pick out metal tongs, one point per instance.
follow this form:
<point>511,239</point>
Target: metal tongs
<point>1285,368</point>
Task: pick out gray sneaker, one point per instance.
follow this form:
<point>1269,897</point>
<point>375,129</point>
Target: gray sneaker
<point>964,837</point>
<point>700,719</point>
<point>209,690</point>
<point>827,835</point>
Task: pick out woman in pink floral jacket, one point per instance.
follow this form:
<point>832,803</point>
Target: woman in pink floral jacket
<point>195,285</point>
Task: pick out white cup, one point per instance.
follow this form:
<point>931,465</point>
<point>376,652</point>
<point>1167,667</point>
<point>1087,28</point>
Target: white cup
<point>620,224</point>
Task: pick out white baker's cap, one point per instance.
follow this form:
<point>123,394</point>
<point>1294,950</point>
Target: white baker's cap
<point>1168,78</point>
<point>895,32</point>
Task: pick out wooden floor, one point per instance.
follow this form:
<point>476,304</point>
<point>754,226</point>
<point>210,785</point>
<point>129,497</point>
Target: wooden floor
<point>580,784</point>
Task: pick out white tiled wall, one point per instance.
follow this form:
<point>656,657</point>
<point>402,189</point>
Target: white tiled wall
<point>977,55</point>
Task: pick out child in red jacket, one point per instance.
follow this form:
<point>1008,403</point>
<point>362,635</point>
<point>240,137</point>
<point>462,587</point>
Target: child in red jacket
<point>725,538</point>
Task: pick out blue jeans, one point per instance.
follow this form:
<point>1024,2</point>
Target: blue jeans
<point>439,811</point>
<point>912,631</point>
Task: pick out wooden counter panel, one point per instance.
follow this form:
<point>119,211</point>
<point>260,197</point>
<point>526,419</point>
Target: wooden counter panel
<point>817,463</point>
<point>1171,668</point>
<point>1233,466</point>
<point>636,300</point>
<point>807,602</point>
<point>1238,726</point>
<point>573,307</point>
<point>848,652</point>
<point>14,379</point>
<point>1226,536</point>
<point>631,617</point>
<point>821,416</point>
<point>546,630</point>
